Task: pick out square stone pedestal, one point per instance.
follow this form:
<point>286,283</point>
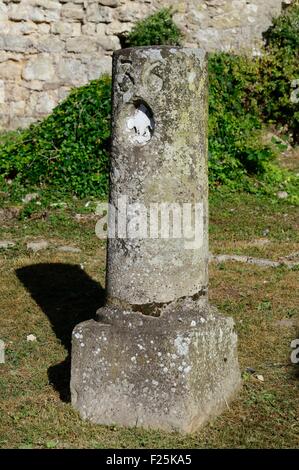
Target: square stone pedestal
<point>172,372</point>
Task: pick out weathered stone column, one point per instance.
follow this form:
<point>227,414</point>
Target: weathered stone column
<point>158,355</point>
<point>161,159</point>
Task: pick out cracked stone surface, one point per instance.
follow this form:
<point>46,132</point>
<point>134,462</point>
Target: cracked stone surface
<point>172,373</point>
<point>167,166</point>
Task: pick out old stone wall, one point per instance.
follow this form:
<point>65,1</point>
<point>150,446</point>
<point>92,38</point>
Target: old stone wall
<point>50,46</point>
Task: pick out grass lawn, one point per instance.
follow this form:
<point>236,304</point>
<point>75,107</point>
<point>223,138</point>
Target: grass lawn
<point>47,293</point>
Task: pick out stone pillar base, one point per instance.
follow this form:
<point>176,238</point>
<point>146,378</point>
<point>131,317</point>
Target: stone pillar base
<point>173,372</point>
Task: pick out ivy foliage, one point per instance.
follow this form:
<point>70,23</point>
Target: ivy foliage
<point>70,148</point>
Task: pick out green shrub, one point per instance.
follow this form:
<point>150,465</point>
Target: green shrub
<point>235,149</point>
<point>157,29</point>
<point>279,68</point>
<point>284,33</point>
<point>69,148</point>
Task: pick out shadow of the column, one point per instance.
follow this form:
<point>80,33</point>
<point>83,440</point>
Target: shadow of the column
<point>67,295</point>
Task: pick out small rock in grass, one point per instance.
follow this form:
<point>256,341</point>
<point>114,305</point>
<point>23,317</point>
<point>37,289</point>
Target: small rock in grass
<point>69,249</point>
<point>31,338</point>
<point>37,246</point>
<point>260,378</point>
<point>6,244</point>
<point>286,323</point>
<point>250,370</point>
<point>30,197</point>
<point>282,194</point>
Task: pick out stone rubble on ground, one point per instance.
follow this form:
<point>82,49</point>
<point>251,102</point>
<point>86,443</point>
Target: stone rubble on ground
<point>265,263</point>
<point>37,245</point>
<point>4,244</point>
<point>68,249</point>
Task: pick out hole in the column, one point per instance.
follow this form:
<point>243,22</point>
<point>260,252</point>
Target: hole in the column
<point>140,123</point>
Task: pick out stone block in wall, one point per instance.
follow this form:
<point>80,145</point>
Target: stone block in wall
<point>35,85</point>
<point>44,28</point>
<point>2,91</point>
<point>10,70</point>
<point>63,92</point>
<point>66,29</point>
<point>4,110</point>
<point>108,43</point>
<point>116,27</point>
<point>71,71</point>
<point>81,44</point>
<point>4,121</point>
<point>21,27</point>
<point>51,85</point>
<point>101,28</point>
<point>17,122</point>
<point>47,4</point>
<point>51,15</point>
<point>46,102</point>
<point>27,12</point>
<point>225,21</point>
<point>10,42</point>
<point>3,12</point>
<point>96,66</point>
<point>39,68</point>
<point>251,8</point>
<point>72,11</point>
<point>110,3</point>
<point>208,37</point>
<point>132,12</point>
<point>17,92</point>
<point>7,55</point>
<point>89,28</point>
<point>96,13</point>
<point>6,27</point>
<point>17,108</point>
<point>215,3</point>
<point>49,43</point>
